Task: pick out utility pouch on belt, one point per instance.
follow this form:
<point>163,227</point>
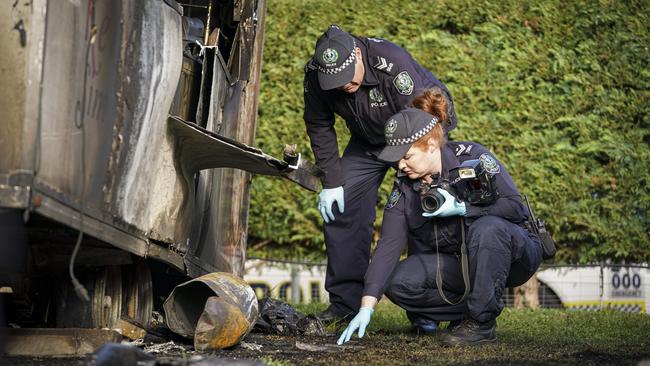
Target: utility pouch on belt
<point>538,227</point>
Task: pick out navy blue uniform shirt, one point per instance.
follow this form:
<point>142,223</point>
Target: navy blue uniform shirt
<point>392,78</point>
<point>403,221</point>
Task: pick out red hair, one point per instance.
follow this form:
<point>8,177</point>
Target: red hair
<point>434,102</point>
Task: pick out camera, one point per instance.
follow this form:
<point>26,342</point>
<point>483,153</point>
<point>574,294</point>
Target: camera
<point>475,184</point>
<point>470,182</point>
<point>430,198</point>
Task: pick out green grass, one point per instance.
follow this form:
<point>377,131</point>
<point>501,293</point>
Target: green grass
<point>542,337</point>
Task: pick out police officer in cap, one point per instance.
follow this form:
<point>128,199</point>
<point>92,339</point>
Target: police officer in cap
<point>365,81</point>
<point>461,256</point>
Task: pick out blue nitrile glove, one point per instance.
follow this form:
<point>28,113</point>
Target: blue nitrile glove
<point>360,322</point>
<point>451,207</point>
<point>326,199</point>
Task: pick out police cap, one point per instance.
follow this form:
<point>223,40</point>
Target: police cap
<point>334,58</point>
<point>402,130</point>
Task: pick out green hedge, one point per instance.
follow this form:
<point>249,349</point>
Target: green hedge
<point>558,90</point>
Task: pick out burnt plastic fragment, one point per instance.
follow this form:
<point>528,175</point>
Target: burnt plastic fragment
<point>278,317</point>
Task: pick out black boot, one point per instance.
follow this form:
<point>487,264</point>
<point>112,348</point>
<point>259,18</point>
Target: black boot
<point>424,326</point>
<point>453,324</point>
<point>469,333</point>
<point>328,317</point>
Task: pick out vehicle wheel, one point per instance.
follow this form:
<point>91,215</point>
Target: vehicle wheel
<point>138,293</point>
<point>107,298</point>
<point>104,286</point>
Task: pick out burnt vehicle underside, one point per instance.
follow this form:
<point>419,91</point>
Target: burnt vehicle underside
<point>130,122</point>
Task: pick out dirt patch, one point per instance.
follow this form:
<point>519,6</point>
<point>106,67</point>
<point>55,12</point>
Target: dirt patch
<point>544,337</point>
<point>387,348</point>
<point>378,348</point>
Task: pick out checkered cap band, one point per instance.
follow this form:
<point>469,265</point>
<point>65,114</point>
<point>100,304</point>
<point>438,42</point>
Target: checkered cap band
<point>345,63</point>
<point>411,139</point>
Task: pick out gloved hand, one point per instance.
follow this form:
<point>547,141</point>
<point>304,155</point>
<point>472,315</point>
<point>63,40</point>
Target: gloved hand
<point>360,322</point>
<point>451,206</point>
<point>326,199</point>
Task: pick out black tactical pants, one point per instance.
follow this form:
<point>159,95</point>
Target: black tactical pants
<point>348,237</point>
<point>501,254</point>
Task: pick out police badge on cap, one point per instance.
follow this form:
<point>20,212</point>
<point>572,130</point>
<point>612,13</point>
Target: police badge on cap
<point>334,58</point>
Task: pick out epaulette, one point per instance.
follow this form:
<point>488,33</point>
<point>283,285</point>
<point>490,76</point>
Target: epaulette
<point>382,64</point>
<point>310,66</point>
<point>463,149</point>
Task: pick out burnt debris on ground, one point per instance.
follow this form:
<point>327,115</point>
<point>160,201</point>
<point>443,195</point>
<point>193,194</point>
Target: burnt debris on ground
<point>278,317</point>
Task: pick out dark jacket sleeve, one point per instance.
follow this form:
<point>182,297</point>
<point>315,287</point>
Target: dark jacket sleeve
<point>509,205</point>
<point>319,120</point>
<point>394,235</point>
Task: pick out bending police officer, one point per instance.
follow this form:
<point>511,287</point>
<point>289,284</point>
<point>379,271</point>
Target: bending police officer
<point>461,256</point>
<point>365,81</point>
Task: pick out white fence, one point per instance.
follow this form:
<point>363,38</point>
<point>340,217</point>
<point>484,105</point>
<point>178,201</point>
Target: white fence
<point>296,282</point>
<point>581,287</point>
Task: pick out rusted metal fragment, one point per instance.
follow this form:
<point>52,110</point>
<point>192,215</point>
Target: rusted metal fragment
<point>130,330</point>
<point>64,342</point>
<point>186,303</point>
<point>198,149</point>
<point>221,325</point>
<point>165,255</point>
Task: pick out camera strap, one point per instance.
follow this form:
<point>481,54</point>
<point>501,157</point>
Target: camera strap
<point>463,263</point>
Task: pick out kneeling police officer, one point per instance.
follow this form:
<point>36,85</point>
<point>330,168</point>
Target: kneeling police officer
<point>464,221</point>
<point>364,81</point>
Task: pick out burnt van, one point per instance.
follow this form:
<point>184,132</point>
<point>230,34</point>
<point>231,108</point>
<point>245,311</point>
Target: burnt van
<point>125,152</point>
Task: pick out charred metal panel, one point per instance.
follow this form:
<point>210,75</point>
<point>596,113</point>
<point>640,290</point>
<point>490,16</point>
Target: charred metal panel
<point>239,62</point>
<point>111,234</point>
<point>218,243</point>
<point>212,249</point>
<point>220,94</point>
<point>68,111</point>
<point>199,149</point>
<point>204,216</point>
<point>186,93</point>
<point>147,192</point>
<point>70,40</point>
<point>15,17</point>
<point>125,89</point>
<point>233,248</point>
<point>20,62</point>
<point>95,82</point>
